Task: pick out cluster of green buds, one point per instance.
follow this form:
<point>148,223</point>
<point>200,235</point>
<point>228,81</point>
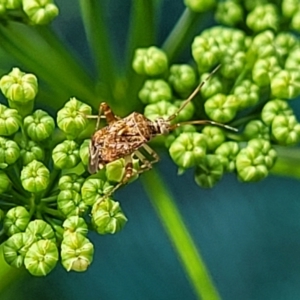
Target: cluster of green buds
<point>48,200</point>
<point>259,15</point>
<point>251,91</point>
<point>33,12</point>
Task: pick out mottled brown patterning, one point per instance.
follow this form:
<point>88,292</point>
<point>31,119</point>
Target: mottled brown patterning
<point>124,137</point>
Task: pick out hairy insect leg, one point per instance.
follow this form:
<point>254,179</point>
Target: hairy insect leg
<point>146,164</point>
<point>104,112</point>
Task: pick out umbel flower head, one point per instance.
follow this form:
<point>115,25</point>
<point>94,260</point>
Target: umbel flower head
<point>48,215</point>
<point>235,79</point>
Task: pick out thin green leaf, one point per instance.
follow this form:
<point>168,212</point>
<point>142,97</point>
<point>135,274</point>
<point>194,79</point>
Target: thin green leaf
<point>174,225</point>
<point>100,44</point>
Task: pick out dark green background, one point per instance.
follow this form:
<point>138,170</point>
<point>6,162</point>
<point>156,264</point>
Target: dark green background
<point>248,234</point>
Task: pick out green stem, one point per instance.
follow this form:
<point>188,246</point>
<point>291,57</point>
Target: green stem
<point>49,199</point>
<point>97,35</point>
<point>53,212</point>
<point>17,196</point>
<point>55,173</point>
<point>178,233</point>
<point>74,66</point>
<point>14,175</point>
<point>287,163</point>
<point>34,52</point>
<point>181,33</point>
<point>141,33</point>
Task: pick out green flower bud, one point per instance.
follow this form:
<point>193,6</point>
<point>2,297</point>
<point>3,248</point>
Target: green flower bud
<point>94,189</point>
<point>286,84</point>
<point>16,220</point>
<point>40,12</point>
<point>71,119</point>
<point>200,5</point>
<point>76,252</point>
<point>171,137</point>
<point>150,61</point>
<point>212,87</point>
<point>254,161</point>
<point>182,78</point>
<point>264,69</point>
<point>9,152</point>
<point>221,108</point>
<point>70,203</point>
<point>30,151</point>
<point>15,248</point>
<point>39,126</point>
<point>10,121</point>
<point>256,129</point>
<point>75,224</point>
<point>247,167</point>
<point>269,154</point>
<point>227,153</point>
<point>226,37</point>
<point>41,258</point>
<point>293,59</point>
<point>262,45</point>
<point>66,155</point>
<point>214,137</point>
<point>20,89</point>
<point>39,229</point>
<point>247,93</point>
<point>5,182</point>
<point>84,152</point>
<point>13,4</point>
<point>71,182</point>
<point>209,171</point>
<point>206,52</point>
<point>115,170</point>
<point>155,90</point>
<point>186,113</point>
<point>263,17</point>
<point>295,24</point>
<point>289,8</point>
<point>108,217</point>
<point>285,42</point>
<point>161,109</point>
<point>188,149</point>
<point>275,108</point>
<point>229,13</point>
<point>286,130</point>
<point>35,177</point>
<point>2,8</point>
<point>233,63</point>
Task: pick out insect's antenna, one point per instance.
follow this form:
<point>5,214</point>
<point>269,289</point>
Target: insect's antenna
<point>203,122</point>
<point>193,94</point>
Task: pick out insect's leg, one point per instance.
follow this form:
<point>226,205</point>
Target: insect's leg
<point>146,164</point>
<point>108,113</point>
<point>127,175</point>
<point>104,112</point>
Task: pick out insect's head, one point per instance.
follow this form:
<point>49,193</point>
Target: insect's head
<point>162,126</point>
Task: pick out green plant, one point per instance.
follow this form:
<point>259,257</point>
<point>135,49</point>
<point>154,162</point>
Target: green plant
<point>46,193</point>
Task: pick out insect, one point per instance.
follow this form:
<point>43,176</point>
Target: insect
<point>126,137</point>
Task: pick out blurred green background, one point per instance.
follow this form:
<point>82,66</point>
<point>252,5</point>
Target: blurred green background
<point>248,234</point>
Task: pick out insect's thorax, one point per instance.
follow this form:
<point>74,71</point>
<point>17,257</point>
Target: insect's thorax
<point>124,136</point>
